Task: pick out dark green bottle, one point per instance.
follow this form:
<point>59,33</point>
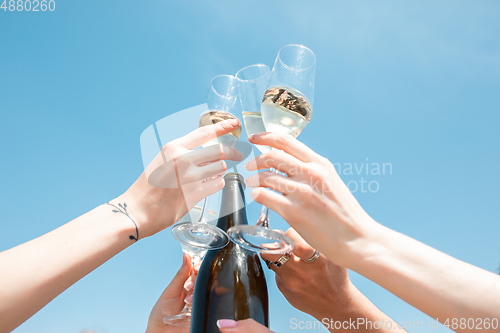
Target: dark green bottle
<point>230,283</point>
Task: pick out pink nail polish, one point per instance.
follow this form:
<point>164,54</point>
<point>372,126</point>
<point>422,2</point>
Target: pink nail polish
<point>188,299</point>
<point>189,285</point>
<point>226,323</point>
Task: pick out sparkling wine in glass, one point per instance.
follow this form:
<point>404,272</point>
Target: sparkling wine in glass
<point>285,110</point>
<point>213,117</point>
<point>286,107</point>
<point>253,81</point>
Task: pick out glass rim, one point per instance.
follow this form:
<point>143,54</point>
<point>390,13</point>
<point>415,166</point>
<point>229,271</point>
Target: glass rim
<point>250,66</point>
<point>295,69</point>
<point>219,76</point>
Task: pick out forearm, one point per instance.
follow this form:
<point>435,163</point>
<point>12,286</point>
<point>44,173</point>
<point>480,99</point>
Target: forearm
<point>36,272</point>
<point>357,314</point>
<point>437,284</point>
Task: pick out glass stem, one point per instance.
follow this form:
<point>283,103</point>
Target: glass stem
<point>264,217</point>
<point>203,211</point>
<point>264,214</point>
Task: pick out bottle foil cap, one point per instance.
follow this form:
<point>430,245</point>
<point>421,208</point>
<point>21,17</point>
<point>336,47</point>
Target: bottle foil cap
<point>235,176</point>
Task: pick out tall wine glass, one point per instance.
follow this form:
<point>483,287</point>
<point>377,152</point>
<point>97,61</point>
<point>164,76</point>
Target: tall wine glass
<point>253,81</point>
<point>183,319</point>
<point>286,108</point>
<point>222,100</point>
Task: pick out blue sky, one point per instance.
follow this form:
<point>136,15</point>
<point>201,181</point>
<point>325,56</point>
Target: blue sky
<point>414,84</point>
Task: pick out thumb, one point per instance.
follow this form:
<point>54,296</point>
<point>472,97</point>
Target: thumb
<point>242,326</point>
<point>174,289</point>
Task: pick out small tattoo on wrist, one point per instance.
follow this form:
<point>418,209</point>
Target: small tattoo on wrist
<point>123,209</point>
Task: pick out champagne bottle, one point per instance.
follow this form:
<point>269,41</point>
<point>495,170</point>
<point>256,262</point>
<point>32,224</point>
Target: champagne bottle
<point>230,283</point>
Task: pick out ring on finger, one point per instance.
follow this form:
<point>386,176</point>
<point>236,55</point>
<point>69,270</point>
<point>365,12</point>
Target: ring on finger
<point>313,258</point>
<point>282,260</point>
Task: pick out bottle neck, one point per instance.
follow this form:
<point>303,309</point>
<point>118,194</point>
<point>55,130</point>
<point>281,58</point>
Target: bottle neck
<point>232,210</point>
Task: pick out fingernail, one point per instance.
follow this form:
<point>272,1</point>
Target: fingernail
<point>234,122</point>
<point>188,299</point>
<point>189,285</point>
<point>226,323</point>
<point>241,155</point>
<point>253,194</point>
<point>249,180</point>
<point>251,137</point>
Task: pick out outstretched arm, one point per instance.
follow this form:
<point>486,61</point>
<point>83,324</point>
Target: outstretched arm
<point>316,202</point>
<point>323,290</point>
<point>36,272</point>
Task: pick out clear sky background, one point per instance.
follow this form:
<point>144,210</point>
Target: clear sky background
<point>411,83</point>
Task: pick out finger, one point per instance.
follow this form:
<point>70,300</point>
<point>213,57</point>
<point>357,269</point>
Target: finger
<point>242,326</point>
<point>272,257</point>
<point>278,160</point>
<point>300,247</point>
<point>275,182</point>
<point>214,153</point>
<point>287,269</point>
<point>211,170</point>
<point>206,133</point>
<point>176,286</point>
<point>286,143</point>
<point>194,192</point>
<point>193,174</point>
<point>277,202</point>
<point>191,281</point>
<point>211,186</point>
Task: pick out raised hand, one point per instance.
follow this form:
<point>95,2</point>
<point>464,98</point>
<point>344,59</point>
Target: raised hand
<point>171,300</point>
<point>312,198</point>
<point>179,177</point>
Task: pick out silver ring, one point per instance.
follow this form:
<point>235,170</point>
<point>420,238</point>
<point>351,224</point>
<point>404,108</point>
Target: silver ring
<point>282,260</point>
<point>313,258</point>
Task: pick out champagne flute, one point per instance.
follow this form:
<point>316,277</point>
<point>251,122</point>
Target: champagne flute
<point>253,81</point>
<point>183,319</point>
<point>286,108</point>
<point>222,100</point>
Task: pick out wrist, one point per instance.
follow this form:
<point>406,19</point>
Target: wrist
<point>347,308</point>
<point>134,218</point>
<point>150,214</point>
<point>371,245</point>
